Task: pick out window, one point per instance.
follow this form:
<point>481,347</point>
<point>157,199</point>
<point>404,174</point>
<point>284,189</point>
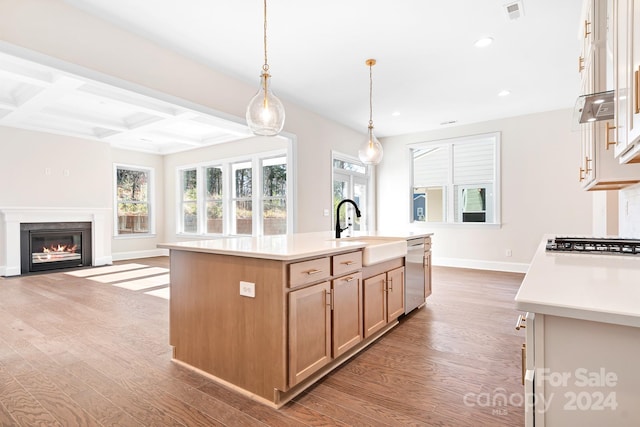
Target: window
<point>274,195</point>
<point>133,215</point>
<point>241,204</point>
<point>214,199</point>
<point>351,181</point>
<point>456,180</point>
<point>236,197</point>
<point>189,200</point>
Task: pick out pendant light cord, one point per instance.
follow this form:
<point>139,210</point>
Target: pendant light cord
<point>265,67</point>
<point>371,95</point>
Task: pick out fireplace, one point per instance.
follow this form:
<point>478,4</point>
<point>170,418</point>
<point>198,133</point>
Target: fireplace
<point>54,245</point>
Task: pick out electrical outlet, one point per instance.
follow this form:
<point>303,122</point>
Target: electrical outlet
<point>508,252</point>
<point>247,289</point>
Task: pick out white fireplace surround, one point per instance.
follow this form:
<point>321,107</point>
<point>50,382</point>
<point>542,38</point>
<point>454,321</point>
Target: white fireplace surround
<point>11,218</point>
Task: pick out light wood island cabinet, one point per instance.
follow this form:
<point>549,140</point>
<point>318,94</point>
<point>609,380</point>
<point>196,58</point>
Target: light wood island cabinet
<point>383,295</point>
<point>306,319</point>
<point>269,316</point>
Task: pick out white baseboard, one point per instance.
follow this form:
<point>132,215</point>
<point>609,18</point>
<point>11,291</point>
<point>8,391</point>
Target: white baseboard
<point>105,260</point>
<point>9,271</point>
<point>123,256</point>
<point>512,267</point>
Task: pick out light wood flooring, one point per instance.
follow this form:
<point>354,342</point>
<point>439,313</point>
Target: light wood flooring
<point>78,352</point>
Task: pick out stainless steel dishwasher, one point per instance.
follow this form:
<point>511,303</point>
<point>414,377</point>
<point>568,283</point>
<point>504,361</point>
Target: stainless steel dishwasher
<point>414,295</point>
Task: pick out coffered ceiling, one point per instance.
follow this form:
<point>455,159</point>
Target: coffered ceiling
<point>37,97</point>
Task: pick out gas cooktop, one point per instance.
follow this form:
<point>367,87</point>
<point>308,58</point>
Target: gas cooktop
<point>603,245</point>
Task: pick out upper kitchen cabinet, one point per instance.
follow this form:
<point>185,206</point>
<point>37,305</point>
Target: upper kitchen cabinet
<point>627,79</point>
<point>599,169</point>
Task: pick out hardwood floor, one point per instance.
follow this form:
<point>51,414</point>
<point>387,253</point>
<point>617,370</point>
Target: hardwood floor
<point>78,352</point>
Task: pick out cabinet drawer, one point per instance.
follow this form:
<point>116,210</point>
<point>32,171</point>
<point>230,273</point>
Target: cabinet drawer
<point>301,273</point>
<point>346,263</point>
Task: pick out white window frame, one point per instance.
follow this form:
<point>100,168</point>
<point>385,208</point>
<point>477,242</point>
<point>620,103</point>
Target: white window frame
<point>151,208</point>
<point>449,195</point>
<point>369,180</point>
<point>256,161</point>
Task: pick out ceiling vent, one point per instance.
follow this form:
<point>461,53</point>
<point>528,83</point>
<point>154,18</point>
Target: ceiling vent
<point>514,10</point>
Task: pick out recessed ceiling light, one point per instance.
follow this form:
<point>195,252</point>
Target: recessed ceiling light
<point>598,101</point>
<point>483,42</point>
<point>395,113</point>
<point>591,119</point>
<point>504,93</point>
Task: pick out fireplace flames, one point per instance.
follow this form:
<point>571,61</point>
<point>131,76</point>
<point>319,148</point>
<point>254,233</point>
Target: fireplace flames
<point>55,252</point>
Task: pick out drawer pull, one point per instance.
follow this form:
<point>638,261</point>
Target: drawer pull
<point>348,262</point>
<point>349,279</point>
<point>637,92</point>
<point>524,361</point>
<point>312,272</point>
<point>608,130</point>
<point>521,322</point>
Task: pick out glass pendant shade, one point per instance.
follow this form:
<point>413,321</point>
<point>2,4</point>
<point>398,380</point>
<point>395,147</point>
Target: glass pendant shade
<point>370,153</point>
<point>265,112</point>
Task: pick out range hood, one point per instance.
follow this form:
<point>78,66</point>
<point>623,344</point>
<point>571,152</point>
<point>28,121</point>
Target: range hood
<point>594,107</point>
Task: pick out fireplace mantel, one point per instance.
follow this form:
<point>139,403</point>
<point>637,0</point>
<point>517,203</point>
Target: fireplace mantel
<point>11,218</point>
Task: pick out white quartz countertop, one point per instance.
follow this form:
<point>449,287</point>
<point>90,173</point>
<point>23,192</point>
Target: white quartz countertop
<point>286,247</point>
<point>601,288</point>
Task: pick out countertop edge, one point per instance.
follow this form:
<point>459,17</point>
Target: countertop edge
<point>578,313</point>
<point>291,247</point>
<point>264,255</point>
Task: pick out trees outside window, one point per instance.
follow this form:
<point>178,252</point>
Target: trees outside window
<point>240,197</point>
<point>133,188</point>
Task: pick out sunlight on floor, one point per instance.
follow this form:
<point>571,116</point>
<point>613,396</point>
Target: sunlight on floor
<point>134,277</point>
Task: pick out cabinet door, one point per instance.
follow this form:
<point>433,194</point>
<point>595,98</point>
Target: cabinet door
<point>621,74</point>
<point>375,303</point>
<point>309,331</point>
<point>395,293</point>
<point>427,274</point>
<point>347,312</point>
<point>634,66</point>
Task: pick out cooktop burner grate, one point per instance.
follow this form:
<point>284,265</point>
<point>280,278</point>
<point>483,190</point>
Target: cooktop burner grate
<point>604,245</point>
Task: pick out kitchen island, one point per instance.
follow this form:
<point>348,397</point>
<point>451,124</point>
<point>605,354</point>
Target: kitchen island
<point>268,316</point>
<point>582,339</point>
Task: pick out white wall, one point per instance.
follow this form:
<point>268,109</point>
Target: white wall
<point>56,29</point>
<point>629,212</point>
<point>540,191</point>
<point>44,170</point>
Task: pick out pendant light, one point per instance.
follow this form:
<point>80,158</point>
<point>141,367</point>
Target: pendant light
<point>265,112</point>
<point>370,153</point>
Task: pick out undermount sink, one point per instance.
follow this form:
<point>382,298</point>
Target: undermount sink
<point>379,249</point>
